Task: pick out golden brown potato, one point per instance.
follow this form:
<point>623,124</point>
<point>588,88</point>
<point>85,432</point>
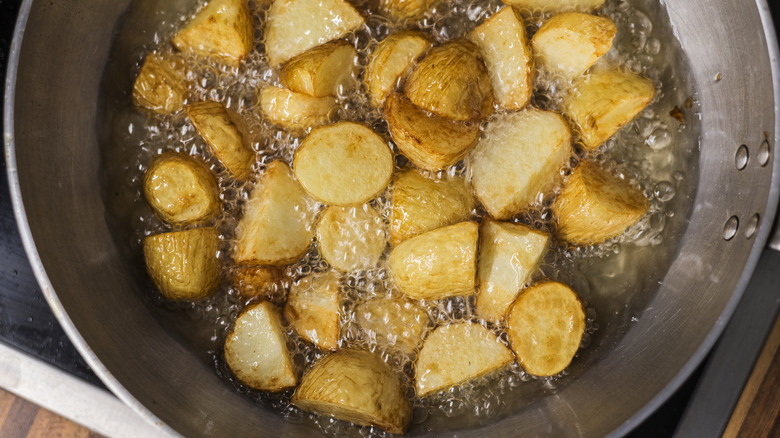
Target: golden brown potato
<point>391,61</point>
<point>161,85</point>
<point>296,110</point>
<point>223,28</point>
<point>225,133</point>
<point>437,264</point>
<point>351,238</point>
<point>325,70</point>
<point>251,281</point>
<point>545,327</point>
<point>343,164</point>
<point>314,310</point>
<point>594,205</point>
<point>394,323</point>
<point>184,264</point>
<point>256,349</point>
<point>555,6</point>
<point>407,9</point>
<point>356,386</point>
<point>452,81</point>
<point>430,142</point>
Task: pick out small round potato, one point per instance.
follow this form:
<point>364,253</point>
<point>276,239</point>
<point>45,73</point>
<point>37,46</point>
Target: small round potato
<point>351,238</point>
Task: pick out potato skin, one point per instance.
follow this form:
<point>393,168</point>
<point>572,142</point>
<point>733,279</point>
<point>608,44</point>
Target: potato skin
<point>390,62</point>
<point>395,323</point>
<point>225,133</point>
<point>313,309</point>
<point>407,9</point>
<point>160,85</point>
<point>555,6</point>
<point>322,71</point>
<point>223,28</point>
<point>296,111</point>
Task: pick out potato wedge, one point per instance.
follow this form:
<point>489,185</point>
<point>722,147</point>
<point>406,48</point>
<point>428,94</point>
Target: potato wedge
<point>402,10</point>
<point>503,42</point>
<point>555,6</point>
<point>602,102</point>
<point>391,60</point>
<point>252,281</point>
<point>571,42</point>
<point>518,158</point>
<point>343,164</point>
<point>222,28</point>
<point>256,349</point>
<point>325,70</point>
<point>314,310</point>
<point>437,264</point>
<point>594,205</point>
<point>421,204</point>
<point>545,327</point>
<point>393,323</point>
<point>351,238</point>
<point>356,386</point>
<point>452,81</point>
<point>278,223</point>
<point>184,264</point>
<point>430,142</point>
<point>161,85</point>
<point>295,110</point>
<point>295,26</point>
<point>455,353</point>
<point>508,255</point>
<point>225,133</point>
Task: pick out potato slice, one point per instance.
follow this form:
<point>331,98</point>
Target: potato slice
<point>256,349</point>
<point>181,189</point>
<point>295,110</point>
<point>278,223</point>
<point>396,323</point>
<point>344,163</point>
<point>430,142</point>
<point>225,133</point>
<point>455,353</point>
<point>508,255</point>
<point>313,310</point>
<point>402,10</point>
<point>594,205</point>
<point>356,386</point>
<point>184,264</point>
<point>421,204</point>
<point>555,6</point>
<point>223,28</point>
<point>325,70</point>
<point>452,81</point>
<point>438,264</point>
<point>295,26</point>
<point>351,238</point>
<point>251,281</point>
<point>390,62</point>
<point>604,101</point>
<point>161,85</point>
<point>545,327</point>
<point>518,158</point>
<point>503,42</point>
<point>571,42</point>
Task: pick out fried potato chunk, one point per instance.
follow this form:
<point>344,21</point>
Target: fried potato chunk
<point>422,204</point>
<point>343,164</point>
<point>452,81</point>
<point>545,327</point>
<point>508,255</point>
<point>225,133</point>
<point>519,158</point>
<point>356,386</point>
<point>313,310</point>
<point>351,238</point>
<point>278,223</point>
<point>161,85</point>
<point>503,42</point>
<point>223,28</point>
<point>430,142</point>
<point>407,9</point>
<point>393,323</point>
<point>595,205</point>
<point>184,264</point>
<point>256,349</point>
<point>251,281</point>
<point>295,26</point>
<point>437,264</point>
<point>455,353</point>
<point>296,110</point>
<point>391,60</point>
<point>555,6</point>
<point>325,70</point>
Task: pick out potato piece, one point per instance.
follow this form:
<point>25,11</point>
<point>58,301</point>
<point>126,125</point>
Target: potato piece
<point>604,101</point>
<point>344,163</point>
<point>396,323</point>
<point>455,353</point>
<point>508,255</point>
<point>407,9</point>
<point>161,85</point>
<point>278,224</point>
<point>351,238</point>
<point>313,310</point>
<point>594,205</point>
<point>325,70</point>
<point>438,264</point>
<point>571,42</point>
<point>390,62</point>
<point>518,158</point>
<point>295,110</point>
<point>421,204</point>
<point>430,142</point>
<point>183,264</point>
<point>295,26</point>
<point>223,28</point>
<point>252,281</point>
<point>452,81</point>
<point>225,133</point>
<point>181,189</point>
<point>555,6</point>
<point>503,42</point>
<point>356,386</point>
<point>545,327</point>
<point>256,349</point>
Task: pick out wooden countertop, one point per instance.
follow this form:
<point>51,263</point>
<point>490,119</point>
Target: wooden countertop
<point>22,419</point>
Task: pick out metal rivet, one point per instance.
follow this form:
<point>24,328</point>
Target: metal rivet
<point>731,227</point>
<point>742,157</point>
<point>763,153</point>
<point>752,226</point>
